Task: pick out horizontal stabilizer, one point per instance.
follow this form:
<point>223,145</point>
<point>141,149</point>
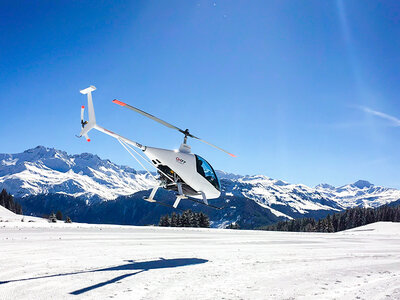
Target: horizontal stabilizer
<point>88,90</point>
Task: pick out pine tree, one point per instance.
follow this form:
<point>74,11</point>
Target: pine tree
<point>204,221</point>
<point>3,194</point>
<point>329,224</point>
<point>191,218</point>
<point>183,220</point>
<point>308,228</point>
<point>18,209</point>
<point>2,200</point>
<point>196,220</point>
<point>174,220</point>
<point>186,219</point>
<point>164,221</point>
<point>59,215</point>
<point>7,201</point>
<point>179,220</point>
<point>397,214</point>
<point>348,219</point>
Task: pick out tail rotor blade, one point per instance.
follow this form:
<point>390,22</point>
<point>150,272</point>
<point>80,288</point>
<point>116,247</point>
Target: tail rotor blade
<point>82,111</point>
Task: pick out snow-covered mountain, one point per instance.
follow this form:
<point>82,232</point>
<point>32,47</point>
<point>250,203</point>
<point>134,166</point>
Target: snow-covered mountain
<point>46,170</point>
<point>361,193</point>
<point>293,200</point>
<point>49,171</point>
<point>283,199</point>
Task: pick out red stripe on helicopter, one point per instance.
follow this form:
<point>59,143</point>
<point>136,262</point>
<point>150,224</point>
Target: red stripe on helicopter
<point>119,102</point>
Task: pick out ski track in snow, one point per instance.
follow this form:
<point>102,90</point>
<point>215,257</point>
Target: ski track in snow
<point>64,261</point>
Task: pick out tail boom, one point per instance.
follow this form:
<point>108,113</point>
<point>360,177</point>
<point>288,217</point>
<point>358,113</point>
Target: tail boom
<point>91,124</point>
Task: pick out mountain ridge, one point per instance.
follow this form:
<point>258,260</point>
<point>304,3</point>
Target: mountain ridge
<point>43,170</point>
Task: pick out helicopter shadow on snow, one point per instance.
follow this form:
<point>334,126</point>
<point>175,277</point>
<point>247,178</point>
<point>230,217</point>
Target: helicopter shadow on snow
<point>161,263</point>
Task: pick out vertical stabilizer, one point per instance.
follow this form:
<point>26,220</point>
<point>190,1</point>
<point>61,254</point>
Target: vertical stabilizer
<point>88,91</point>
<point>88,125</point>
<point>91,124</point>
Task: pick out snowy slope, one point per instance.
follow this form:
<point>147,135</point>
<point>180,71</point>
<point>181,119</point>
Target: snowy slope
<point>45,170</point>
<point>5,213</point>
<point>64,261</point>
<point>8,216</point>
<point>378,228</point>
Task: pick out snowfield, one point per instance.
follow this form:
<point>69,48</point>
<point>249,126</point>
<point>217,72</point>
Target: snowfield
<point>40,260</point>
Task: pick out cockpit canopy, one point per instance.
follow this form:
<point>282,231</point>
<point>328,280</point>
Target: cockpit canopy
<point>205,170</point>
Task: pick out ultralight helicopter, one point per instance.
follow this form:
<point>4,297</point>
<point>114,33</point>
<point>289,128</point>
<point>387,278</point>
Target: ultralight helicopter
<point>189,175</point>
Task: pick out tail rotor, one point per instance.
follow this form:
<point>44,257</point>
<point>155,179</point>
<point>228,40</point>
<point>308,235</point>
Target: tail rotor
<point>82,112</point>
<point>88,125</point>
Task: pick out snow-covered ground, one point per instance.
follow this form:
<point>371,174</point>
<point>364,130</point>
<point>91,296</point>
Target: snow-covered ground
<point>8,216</point>
<point>40,260</point>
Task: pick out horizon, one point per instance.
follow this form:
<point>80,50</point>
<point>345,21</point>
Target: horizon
<point>305,92</point>
<point>228,173</point>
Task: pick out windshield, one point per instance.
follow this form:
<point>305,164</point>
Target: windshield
<point>205,170</point>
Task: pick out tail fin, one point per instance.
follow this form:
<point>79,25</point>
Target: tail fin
<point>88,125</point>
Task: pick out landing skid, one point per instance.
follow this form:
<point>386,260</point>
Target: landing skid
<point>209,205</point>
<point>161,203</point>
<point>179,197</point>
<point>171,206</point>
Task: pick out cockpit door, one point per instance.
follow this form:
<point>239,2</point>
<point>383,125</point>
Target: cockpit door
<point>207,171</point>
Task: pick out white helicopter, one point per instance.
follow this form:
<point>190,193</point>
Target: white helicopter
<point>189,175</point>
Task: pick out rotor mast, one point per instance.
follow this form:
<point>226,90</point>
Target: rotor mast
<point>185,148</point>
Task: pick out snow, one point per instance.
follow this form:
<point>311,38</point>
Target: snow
<point>9,162</point>
<point>5,213</point>
<point>361,193</point>
<point>59,261</point>
<point>8,216</point>
<point>376,228</point>
<point>277,194</point>
<point>277,212</point>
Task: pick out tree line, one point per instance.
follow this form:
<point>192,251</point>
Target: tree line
<point>7,200</point>
<point>348,219</point>
<point>186,219</point>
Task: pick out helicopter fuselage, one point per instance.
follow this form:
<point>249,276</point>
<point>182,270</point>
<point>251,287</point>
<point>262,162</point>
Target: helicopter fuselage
<point>194,173</point>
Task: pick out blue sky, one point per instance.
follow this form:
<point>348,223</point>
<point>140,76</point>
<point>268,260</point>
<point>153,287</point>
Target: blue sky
<point>304,91</point>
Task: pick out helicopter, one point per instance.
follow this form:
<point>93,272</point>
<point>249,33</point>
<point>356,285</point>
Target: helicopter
<point>189,175</point>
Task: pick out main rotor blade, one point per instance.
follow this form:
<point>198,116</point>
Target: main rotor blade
<point>147,115</point>
<point>185,132</point>
<point>233,155</point>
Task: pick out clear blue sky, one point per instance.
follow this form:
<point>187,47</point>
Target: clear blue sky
<point>304,91</point>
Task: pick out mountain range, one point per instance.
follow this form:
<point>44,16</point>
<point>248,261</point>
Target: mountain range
<point>89,188</point>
